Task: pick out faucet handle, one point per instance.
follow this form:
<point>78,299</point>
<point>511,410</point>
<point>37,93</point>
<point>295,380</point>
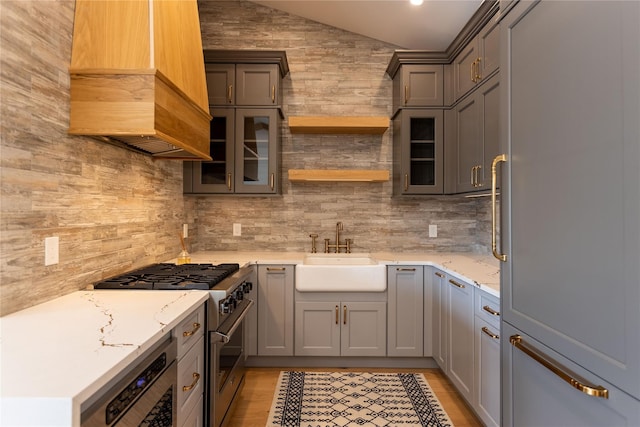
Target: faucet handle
<point>348,242</point>
<point>313,242</point>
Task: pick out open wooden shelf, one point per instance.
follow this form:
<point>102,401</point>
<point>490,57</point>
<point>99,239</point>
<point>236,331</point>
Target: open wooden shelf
<point>338,175</point>
<point>339,125</point>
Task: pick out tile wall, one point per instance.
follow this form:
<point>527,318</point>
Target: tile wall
<point>111,208</point>
<point>114,210</point>
<point>333,73</point>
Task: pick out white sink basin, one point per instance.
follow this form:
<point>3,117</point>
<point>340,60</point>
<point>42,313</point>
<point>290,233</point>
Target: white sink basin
<point>340,273</point>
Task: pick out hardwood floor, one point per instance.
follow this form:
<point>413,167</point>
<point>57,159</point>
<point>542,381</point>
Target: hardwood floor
<point>253,408</point>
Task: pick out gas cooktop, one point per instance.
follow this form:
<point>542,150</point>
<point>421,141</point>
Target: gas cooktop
<point>171,276</point>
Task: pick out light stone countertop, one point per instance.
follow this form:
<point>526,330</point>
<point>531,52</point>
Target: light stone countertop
<point>481,270</point>
<point>56,355</point>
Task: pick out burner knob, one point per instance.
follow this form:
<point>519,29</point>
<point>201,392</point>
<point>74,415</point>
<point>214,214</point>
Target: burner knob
<point>225,307</point>
<point>248,287</point>
<point>239,294</point>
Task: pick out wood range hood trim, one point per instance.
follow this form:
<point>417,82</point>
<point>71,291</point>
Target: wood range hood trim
<point>135,81</point>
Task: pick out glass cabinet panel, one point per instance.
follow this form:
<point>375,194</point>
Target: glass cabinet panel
<point>216,176</point>
<point>418,138</point>
<point>256,133</point>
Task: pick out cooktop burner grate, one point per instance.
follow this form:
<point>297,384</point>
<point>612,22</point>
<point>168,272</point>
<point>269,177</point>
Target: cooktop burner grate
<point>171,276</point>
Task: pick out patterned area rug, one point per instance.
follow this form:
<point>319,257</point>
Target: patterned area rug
<point>346,399</point>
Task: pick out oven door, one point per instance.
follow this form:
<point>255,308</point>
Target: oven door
<point>227,352</point>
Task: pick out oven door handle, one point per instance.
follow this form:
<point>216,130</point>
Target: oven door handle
<point>224,333</point>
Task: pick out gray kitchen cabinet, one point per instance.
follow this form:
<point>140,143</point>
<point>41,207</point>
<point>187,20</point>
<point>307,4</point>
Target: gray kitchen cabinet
<point>189,335</point>
<point>245,150</point>
<point>418,152</point>
<point>460,332</point>
<point>439,289</point>
<point>275,310</point>
<point>217,175</point>
<point>340,328</point>
<point>472,142</point>
<point>244,89</point>
<point>418,85</point>
<point>405,302</point>
<point>477,61</point>
<point>486,401</point>
<point>243,84</point>
<point>581,315</point>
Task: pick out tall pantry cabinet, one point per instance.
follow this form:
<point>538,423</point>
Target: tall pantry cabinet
<point>570,230</point>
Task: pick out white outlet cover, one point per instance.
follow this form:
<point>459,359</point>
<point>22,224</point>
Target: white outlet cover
<point>185,230</point>
<point>433,230</point>
<point>51,250</point>
<point>237,229</point>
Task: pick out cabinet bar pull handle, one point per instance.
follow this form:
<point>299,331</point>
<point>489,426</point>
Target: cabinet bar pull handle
<point>272,181</point>
<point>440,275</point>
<point>564,373</point>
<point>276,268</point>
<point>406,94</point>
<point>494,186</point>
<point>406,181</point>
<point>473,71</point>
<point>491,334</point>
<point>229,181</point>
<point>478,76</point>
<point>337,315</point>
<point>473,181</point>
<point>230,94</point>
<point>196,378</point>
<point>344,314</point>
<point>478,183</point>
<point>196,326</point>
<point>491,311</point>
<point>456,284</point>
<point>405,269</point>
<point>273,94</point>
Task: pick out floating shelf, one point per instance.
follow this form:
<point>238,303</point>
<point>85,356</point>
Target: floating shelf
<point>335,175</point>
<point>339,125</point>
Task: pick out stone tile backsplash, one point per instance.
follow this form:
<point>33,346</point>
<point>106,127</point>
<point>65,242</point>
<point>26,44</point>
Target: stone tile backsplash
<point>115,210</point>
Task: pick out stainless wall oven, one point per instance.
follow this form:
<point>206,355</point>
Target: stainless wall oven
<point>143,396</point>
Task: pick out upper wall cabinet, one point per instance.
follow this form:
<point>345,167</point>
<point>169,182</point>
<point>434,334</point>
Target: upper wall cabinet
<point>137,76</point>
<point>248,78</point>
<point>243,84</point>
<point>418,85</point>
<point>245,97</point>
<point>477,61</point>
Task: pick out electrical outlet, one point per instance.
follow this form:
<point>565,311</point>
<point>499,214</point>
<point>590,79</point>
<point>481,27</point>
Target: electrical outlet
<point>433,230</point>
<point>51,254</point>
<point>185,230</point>
<point>237,229</point>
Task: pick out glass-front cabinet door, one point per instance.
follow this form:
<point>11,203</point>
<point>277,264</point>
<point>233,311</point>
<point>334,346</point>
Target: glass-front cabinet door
<point>419,138</point>
<point>216,176</point>
<point>256,139</point>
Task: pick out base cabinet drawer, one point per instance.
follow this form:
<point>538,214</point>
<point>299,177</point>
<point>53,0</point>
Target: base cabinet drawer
<point>190,381</point>
<point>196,416</point>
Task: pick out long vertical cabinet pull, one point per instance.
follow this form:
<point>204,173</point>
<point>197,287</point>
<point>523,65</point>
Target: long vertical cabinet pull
<point>272,181</point>
<point>344,314</point>
<point>230,94</point>
<point>406,94</point>
<point>273,94</point>
<point>337,315</point>
<point>406,181</point>
<point>229,181</point>
<point>494,186</point>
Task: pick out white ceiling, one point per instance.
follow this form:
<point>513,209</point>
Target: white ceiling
<point>431,26</point>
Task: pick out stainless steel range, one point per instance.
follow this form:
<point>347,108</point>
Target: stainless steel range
<point>229,289</point>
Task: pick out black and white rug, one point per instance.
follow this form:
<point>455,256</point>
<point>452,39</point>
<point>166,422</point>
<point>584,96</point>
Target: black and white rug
<point>348,399</point>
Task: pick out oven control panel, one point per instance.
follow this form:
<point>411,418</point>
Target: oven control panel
<point>230,303</point>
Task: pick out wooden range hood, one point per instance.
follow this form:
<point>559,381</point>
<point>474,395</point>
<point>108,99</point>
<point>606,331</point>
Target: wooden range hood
<point>137,76</point>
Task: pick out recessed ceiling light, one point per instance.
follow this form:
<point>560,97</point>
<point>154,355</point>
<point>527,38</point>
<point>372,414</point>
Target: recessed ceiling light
<point>416,2</point>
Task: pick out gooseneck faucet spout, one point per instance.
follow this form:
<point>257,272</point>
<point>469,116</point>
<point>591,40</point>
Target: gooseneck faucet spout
<point>339,228</point>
